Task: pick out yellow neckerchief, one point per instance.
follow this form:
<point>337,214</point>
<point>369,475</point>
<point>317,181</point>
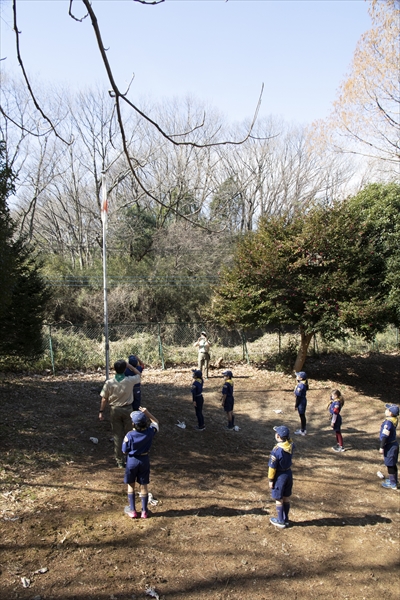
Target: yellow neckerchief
<point>394,420</point>
<point>199,380</point>
<point>229,381</point>
<point>286,446</point>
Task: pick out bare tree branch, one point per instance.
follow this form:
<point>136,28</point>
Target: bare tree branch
<point>5,115</point>
<point>37,105</point>
<point>118,94</point>
<point>149,2</point>
<point>73,16</point>
<point>139,182</point>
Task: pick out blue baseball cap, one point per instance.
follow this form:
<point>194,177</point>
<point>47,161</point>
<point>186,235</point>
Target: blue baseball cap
<point>301,375</point>
<point>197,373</point>
<point>393,409</point>
<point>227,374</point>
<point>138,417</point>
<point>133,360</point>
<point>282,431</point>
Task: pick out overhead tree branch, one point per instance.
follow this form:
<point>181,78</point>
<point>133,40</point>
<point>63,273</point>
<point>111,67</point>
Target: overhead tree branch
<point>21,64</point>
<point>118,94</point>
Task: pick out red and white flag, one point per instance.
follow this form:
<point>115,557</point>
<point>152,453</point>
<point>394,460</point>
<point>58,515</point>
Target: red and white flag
<point>104,210</point>
<point>104,202</point>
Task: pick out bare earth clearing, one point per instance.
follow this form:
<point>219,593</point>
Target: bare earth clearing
<point>62,498</point>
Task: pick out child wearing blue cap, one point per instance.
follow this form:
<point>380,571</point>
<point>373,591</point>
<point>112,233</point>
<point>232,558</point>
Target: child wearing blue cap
<point>335,405</point>
<point>198,400</point>
<point>136,446</point>
<point>280,475</point>
<point>227,399</point>
<point>300,392</point>
<point>134,361</point>
<point>389,446</point>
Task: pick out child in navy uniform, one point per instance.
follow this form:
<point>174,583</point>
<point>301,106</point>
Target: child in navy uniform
<point>335,406</point>
<point>300,392</point>
<point>227,399</point>
<point>137,391</point>
<point>198,400</point>
<point>136,446</point>
<point>280,475</point>
<point>389,446</point>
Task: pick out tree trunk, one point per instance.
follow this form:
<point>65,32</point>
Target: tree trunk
<point>302,353</point>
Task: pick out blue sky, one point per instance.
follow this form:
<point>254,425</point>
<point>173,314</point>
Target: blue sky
<point>219,52</point>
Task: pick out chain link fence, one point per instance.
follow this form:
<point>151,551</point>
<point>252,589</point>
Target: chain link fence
<point>169,344</point>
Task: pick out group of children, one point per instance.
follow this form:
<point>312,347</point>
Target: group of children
<point>137,442</point>
<point>227,399</point>
<point>280,461</point>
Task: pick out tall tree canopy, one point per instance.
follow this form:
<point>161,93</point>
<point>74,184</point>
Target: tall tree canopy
<point>22,293</point>
<point>332,271</point>
<point>378,209</point>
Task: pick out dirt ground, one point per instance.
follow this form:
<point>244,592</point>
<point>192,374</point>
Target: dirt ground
<point>209,536</point>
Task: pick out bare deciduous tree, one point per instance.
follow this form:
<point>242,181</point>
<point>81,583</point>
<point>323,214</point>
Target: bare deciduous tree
<point>365,119</point>
<point>283,173</point>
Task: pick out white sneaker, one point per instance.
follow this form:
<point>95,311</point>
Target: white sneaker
<point>300,432</point>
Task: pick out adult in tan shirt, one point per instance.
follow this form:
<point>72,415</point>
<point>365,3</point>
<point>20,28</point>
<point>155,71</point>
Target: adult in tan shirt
<point>203,360</point>
<point>117,392</point>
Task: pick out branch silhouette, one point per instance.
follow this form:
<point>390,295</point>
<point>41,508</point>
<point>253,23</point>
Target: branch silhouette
<point>121,97</point>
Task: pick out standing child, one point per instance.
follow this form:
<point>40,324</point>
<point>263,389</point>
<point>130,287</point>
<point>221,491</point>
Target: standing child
<point>198,400</point>
<point>389,446</point>
<point>134,361</point>
<point>335,406</point>
<point>280,475</point>
<point>136,446</point>
<point>300,392</point>
<point>227,399</point>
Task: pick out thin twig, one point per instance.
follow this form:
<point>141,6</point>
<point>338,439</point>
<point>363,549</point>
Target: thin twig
<point>73,16</point>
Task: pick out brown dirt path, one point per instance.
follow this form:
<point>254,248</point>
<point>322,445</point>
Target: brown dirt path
<point>209,537</point>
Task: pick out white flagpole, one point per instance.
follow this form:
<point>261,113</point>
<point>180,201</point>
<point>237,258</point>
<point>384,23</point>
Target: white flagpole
<point>104,214</point>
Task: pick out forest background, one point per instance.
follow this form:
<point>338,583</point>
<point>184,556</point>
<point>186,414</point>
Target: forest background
<point>181,200</point>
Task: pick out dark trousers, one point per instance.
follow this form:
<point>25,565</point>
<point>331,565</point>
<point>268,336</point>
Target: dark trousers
<point>137,398</point>
<point>199,411</point>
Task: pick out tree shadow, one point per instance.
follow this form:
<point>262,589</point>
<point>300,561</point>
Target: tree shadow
<point>342,521</point>
<point>214,510</point>
<point>371,375</point>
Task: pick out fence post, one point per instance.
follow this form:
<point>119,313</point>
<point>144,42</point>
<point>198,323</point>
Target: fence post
<point>51,351</point>
<point>244,345</point>
<point>160,348</point>
<point>278,329</point>
<point>374,345</point>
<point>316,351</point>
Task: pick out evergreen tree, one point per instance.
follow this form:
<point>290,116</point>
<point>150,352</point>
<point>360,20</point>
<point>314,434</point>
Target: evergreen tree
<point>6,232</point>
<point>23,295</point>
